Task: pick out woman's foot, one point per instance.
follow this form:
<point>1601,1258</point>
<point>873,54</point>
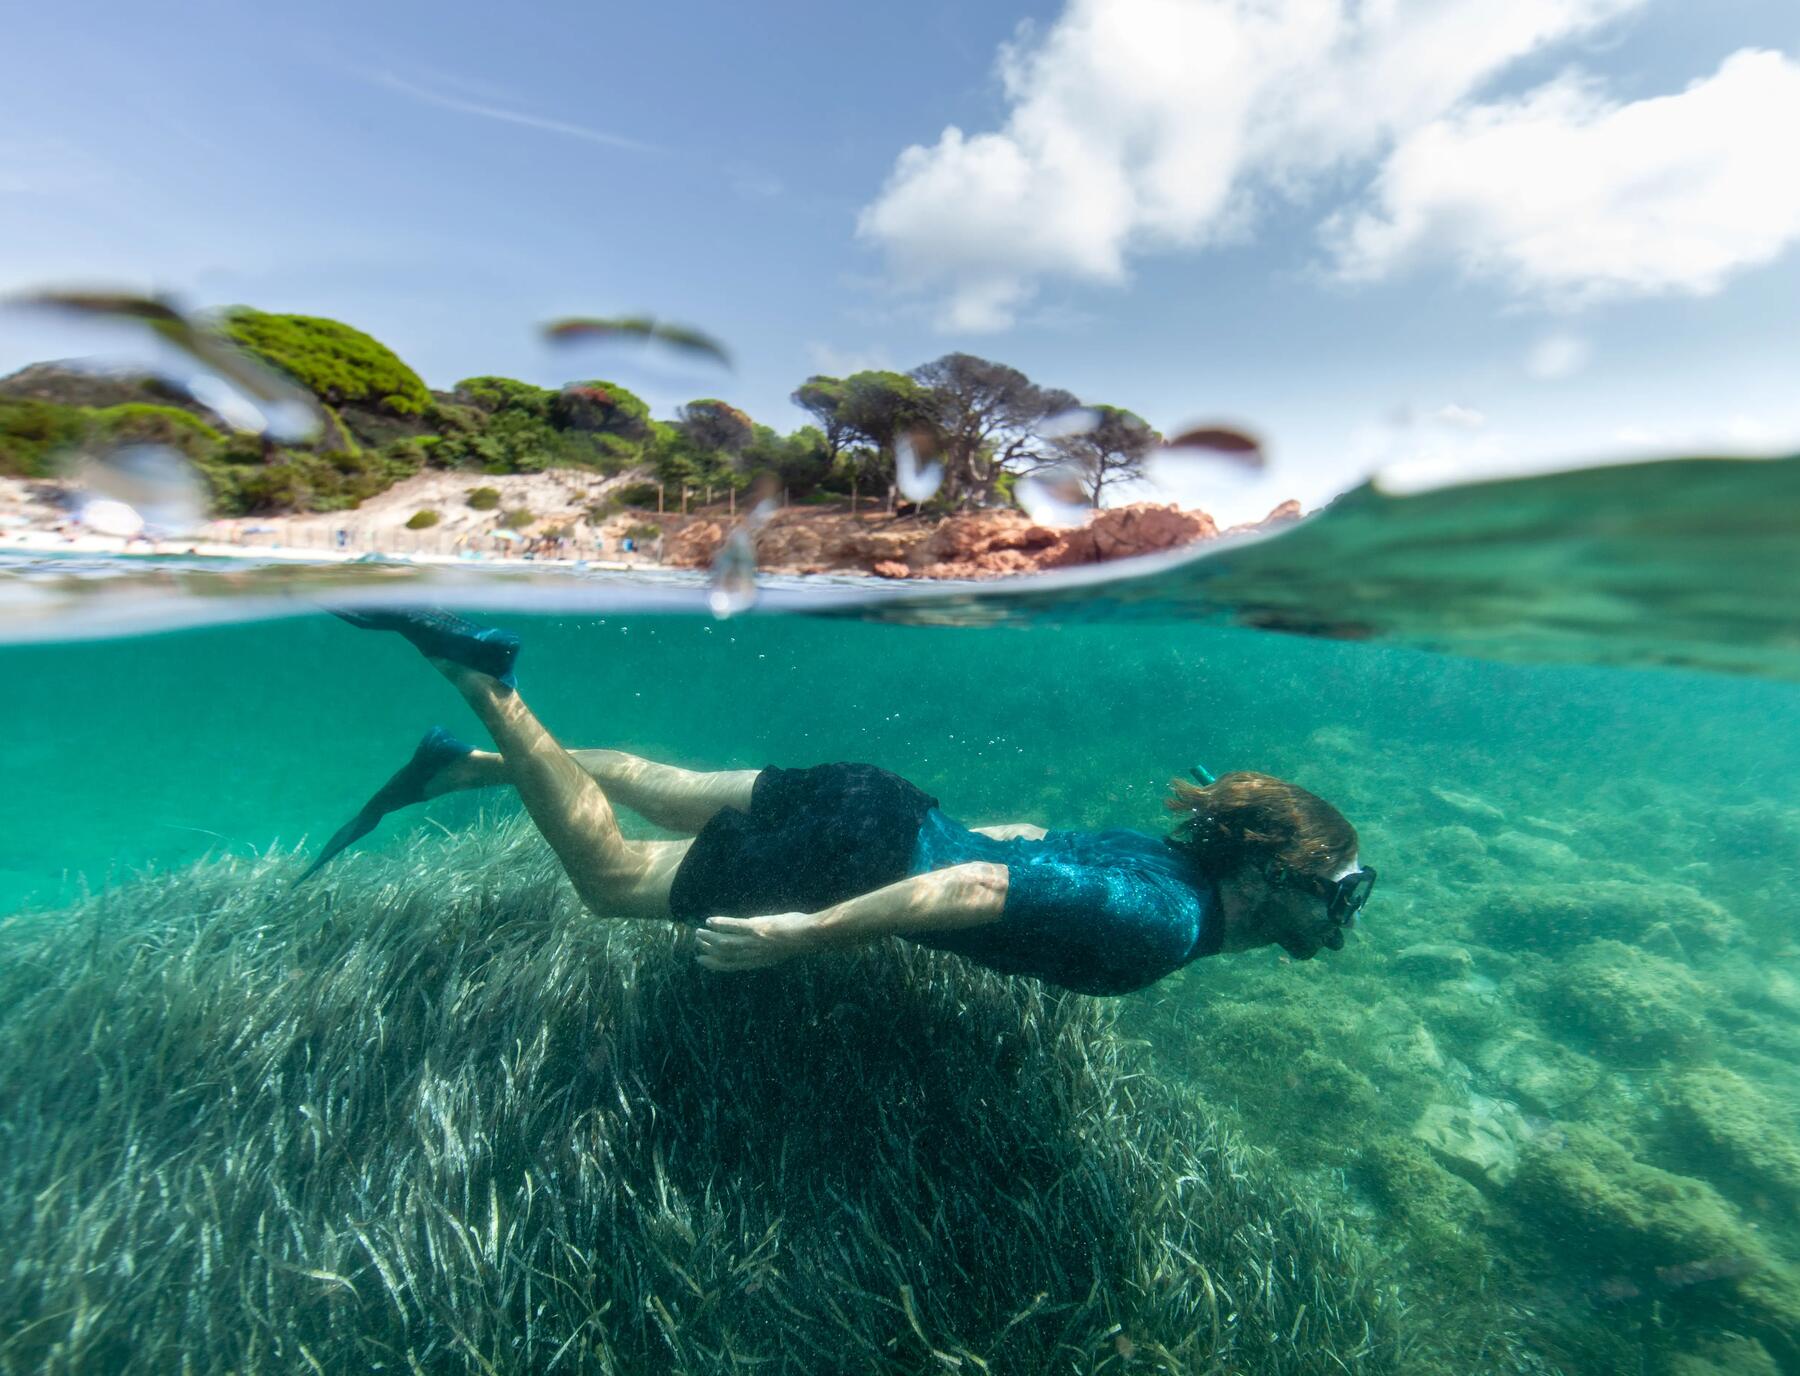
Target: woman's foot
<point>444,635</point>
<point>751,943</point>
<point>436,753</point>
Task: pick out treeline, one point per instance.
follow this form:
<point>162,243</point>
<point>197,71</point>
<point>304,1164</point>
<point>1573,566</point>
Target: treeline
<point>985,423</point>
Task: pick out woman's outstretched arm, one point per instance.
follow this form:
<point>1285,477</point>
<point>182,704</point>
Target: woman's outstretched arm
<point>960,896</point>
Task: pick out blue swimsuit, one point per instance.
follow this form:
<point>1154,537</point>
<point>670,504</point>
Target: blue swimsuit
<point>1097,912</point>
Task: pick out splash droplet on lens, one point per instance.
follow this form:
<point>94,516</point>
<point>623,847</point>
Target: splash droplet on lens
<point>242,391</point>
<point>731,586</point>
<point>1055,496</point>
<point>155,482</point>
<point>104,516</point>
<point>917,481</point>
<point>1066,425</point>
<point>645,329</point>
<point>1227,441</point>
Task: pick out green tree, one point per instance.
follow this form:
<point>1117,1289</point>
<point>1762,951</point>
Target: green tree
<point>822,398</point>
<point>336,363</point>
<point>989,417</point>
<point>715,434</point>
<point>1113,451</point>
<point>878,407</point>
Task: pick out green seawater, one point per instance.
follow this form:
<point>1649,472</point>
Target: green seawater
<point>1542,1114</point>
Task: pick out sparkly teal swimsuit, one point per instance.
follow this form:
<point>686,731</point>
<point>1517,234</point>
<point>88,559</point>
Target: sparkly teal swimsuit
<point>1097,912</point>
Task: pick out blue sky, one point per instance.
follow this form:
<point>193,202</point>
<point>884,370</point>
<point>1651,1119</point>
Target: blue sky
<point>1448,235</point>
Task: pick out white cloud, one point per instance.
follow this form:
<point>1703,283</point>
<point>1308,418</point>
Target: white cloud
<point>1558,356</point>
<point>1570,197</point>
<point>1138,124</point>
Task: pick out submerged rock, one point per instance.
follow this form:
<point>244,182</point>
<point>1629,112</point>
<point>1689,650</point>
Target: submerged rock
<point>1467,805</point>
<point>1659,1233</point>
<point>1724,1119</point>
<point>1542,1075</point>
<point>1435,960</point>
<point>1479,1140</point>
<point>1536,852</point>
<point>1635,1006</point>
<point>1556,917</point>
<point>1728,1355</point>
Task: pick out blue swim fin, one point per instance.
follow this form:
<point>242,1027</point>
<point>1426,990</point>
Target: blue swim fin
<point>438,749</point>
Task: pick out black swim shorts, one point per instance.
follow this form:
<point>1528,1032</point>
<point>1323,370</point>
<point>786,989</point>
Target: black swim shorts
<point>812,837</point>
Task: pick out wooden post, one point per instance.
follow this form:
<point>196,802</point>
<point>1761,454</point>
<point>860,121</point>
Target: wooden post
<point>659,499</point>
<point>731,501</point>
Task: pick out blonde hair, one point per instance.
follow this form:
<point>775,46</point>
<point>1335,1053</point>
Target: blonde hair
<point>1248,818</point>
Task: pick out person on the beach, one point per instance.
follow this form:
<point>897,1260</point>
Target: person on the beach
<point>787,862</point>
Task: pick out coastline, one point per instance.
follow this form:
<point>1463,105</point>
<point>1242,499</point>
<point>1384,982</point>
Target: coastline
<point>576,523</point>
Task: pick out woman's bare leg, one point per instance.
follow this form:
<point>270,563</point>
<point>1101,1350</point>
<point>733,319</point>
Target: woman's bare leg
<point>681,800</point>
<point>615,877</point>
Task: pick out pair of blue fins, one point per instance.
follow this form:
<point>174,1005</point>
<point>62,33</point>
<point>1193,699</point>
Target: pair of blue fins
<point>437,635</point>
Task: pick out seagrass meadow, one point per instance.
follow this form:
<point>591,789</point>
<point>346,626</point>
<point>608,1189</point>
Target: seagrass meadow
<point>424,1120</point>
<point>423,1113</point>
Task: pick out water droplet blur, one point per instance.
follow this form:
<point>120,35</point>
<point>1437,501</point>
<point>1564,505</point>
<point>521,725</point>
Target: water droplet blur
<point>1055,496</point>
<point>917,481</point>
<point>1066,425</point>
<point>240,390</point>
<point>636,328</point>
<point>1224,440</point>
<point>731,586</point>
<point>153,482</point>
<point>104,516</point>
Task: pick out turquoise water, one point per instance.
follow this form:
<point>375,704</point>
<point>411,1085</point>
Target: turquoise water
<point>1547,1099</point>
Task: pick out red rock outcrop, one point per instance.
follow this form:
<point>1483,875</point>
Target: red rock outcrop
<point>1285,514</point>
<point>1126,531</point>
<point>979,544</point>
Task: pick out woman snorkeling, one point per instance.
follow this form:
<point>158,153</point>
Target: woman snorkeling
<point>786,862</point>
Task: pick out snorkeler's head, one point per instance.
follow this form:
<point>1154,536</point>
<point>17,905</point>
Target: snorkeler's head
<point>1289,856</point>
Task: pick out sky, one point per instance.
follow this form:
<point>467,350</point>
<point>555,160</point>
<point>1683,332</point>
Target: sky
<point>1443,238</point>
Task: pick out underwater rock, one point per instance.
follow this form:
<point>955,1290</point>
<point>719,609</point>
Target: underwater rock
<point>1721,1117</point>
<point>1727,1355</point>
<point>1536,852</point>
<point>1659,1233</point>
<point>1467,805</point>
<point>1435,960</point>
<point>1453,847</point>
<point>1776,989</point>
<point>1441,1213</point>
<point>1554,917</point>
<point>1478,1140</point>
<point>1542,1075</point>
<point>1637,1007</point>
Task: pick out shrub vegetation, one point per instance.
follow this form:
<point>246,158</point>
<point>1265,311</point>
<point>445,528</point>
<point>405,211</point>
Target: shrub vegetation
<point>422,520</point>
<point>336,363</point>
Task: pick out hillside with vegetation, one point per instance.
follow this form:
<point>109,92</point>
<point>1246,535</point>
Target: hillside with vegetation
<point>986,423</point>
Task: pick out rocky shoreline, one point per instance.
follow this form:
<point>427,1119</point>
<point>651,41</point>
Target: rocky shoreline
<point>798,540</point>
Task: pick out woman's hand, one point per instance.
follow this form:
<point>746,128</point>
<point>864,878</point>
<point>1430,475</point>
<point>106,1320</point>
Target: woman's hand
<point>750,943</point>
